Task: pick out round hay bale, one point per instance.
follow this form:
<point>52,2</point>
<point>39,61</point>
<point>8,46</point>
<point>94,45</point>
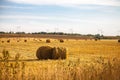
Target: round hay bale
<point>8,41</point>
<point>44,52</point>
<point>96,39</point>
<point>18,41</point>
<point>25,40</point>
<point>59,53</point>
<point>119,40</point>
<point>48,41</point>
<point>40,40</point>
<point>2,41</point>
<point>91,39</point>
<point>61,40</point>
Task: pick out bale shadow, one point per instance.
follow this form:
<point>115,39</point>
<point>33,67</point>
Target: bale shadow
<point>23,60</point>
<point>29,60</point>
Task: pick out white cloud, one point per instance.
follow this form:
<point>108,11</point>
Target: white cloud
<point>14,7</point>
<point>21,17</point>
<point>44,26</point>
<point>69,2</point>
<point>31,23</point>
<point>29,17</point>
<point>60,19</point>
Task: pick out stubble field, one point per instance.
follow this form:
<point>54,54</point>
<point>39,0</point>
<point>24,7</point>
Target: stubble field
<point>86,60</point>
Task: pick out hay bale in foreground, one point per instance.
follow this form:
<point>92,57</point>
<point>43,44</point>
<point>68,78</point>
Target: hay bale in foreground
<point>47,52</point>
<point>44,52</point>
<point>59,53</point>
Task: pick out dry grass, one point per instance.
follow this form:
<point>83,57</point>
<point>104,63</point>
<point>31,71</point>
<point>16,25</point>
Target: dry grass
<point>86,60</point>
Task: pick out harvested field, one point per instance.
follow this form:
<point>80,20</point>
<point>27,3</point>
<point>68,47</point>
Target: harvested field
<point>86,60</point>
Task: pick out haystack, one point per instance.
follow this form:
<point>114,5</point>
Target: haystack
<point>8,41</point>
<point>44,52</point>
<point>18,41</point>
<point>59,53</point>
<point>48,41</point>
<point>61,40</point>
<point>96,39</point>
<point>47,52</point>
<point>25,40</point>
<point>2,41</point>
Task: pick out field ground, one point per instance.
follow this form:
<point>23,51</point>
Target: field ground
<point>85,59</point>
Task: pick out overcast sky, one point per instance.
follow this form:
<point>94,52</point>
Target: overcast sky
<point>77,16</point>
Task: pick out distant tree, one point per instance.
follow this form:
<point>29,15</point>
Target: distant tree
<point>89,35</point>
<point>11,32</point>
<point>1,32</point>
<point>20,32</point>
<point>42,32</point>
<point>97,36</point>
<point>60,33</point>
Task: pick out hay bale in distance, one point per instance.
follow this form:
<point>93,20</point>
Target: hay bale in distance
<point>48,41</point>
<point>18,41</point>
<point>25,40</point>
<point>8,41</point>
<point>61,40</point>
<point>40,40</point>
<point>95,39</point>
<point>2,41</point>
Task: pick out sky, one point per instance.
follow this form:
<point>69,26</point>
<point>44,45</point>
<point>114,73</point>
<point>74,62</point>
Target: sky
<point>69,16</point>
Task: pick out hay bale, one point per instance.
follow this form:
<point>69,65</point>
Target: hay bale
<point>2,41</point>
<point>91,39</point>
<point>61,40</point>
<point>119,40</point>
<point>8,41</point>
<point>25,40</point>
<point>47,52</point>
<point>40,40</point>
<point>96,39</point>
<point>59,53</point>
<point>44,52</point>
<point>18,41</point>
<point>48,41</point>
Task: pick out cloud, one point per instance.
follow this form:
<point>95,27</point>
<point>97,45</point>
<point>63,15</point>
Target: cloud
<point>54,19</point>
<point>13,7</point>
<point>21,17</point>
<point>29,17</point>
<point>69,2</point>
<point>59,19</point>
<point>31,23</point>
